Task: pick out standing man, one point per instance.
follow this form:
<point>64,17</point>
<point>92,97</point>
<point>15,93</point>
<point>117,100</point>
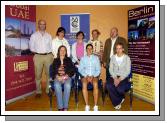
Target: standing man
<point>110,49</point>
<point>40,45</point>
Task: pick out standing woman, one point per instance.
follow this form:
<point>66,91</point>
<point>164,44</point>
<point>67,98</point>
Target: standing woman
<point>78,48</point>
<point>78,51</point>
<point>63,69</point>
<point>97,44</point>
<point>60,40</point>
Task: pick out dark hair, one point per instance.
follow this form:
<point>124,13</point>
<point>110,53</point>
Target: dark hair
<point>80,32</point>
<point>89,45</point>
<point>60,29</point>
<point>58,53</point>
<point>120,43</point>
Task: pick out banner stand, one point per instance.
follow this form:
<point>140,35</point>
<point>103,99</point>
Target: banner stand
<point>19,97</point>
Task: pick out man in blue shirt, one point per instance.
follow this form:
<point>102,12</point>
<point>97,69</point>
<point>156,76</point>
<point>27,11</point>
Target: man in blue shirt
<point>90,68</point>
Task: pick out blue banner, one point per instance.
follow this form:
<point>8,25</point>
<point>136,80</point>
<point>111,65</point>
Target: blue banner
<point>74,23</point>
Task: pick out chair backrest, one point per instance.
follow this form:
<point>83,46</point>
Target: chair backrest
<point>130,75</point>
<point>130,85</point>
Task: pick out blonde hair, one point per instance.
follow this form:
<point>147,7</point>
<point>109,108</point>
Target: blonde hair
<point>96,30</point>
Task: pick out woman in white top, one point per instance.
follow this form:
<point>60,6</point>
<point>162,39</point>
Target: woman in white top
<point>78,51</point>
<point>97,44</point>
<point>60,40</point>
<point>78,48</point>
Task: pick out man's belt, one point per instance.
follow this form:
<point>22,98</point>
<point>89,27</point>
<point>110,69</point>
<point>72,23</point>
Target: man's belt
<point>43,53</point>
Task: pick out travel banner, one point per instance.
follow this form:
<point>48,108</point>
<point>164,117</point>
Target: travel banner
<point>20,23</point>
<point>141,38</point>
<point>19,76</point>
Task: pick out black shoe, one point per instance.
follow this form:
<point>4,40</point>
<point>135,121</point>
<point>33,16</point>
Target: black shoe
<point>61,109</point>
<point>37,95</point>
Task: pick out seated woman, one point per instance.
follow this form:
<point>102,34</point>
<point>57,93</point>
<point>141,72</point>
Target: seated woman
<point>89,68</point>
<point>63,69</point>
<point>120,65</point>
<point>78,51</point>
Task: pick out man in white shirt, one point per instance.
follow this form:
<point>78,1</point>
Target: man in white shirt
<point>40,44</point>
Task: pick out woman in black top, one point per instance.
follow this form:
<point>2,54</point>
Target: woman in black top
<point>62,71</point>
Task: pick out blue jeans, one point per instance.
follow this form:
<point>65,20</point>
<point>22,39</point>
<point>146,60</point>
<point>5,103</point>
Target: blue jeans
<point>62,98</point>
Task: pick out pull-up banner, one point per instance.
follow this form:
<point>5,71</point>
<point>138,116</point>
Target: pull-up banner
<point>141,38</point>
<point>20,23</point>
<point>74,23</point>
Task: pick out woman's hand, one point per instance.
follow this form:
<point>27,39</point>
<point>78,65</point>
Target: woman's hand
<point>78,62</point>
<point>116,82</point>
<point>90,79</point>
<point>59,78</point>
<point>104,65</point>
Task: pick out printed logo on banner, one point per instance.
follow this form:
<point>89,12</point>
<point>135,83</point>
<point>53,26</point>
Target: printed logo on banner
<point>74,24</point>
<point>20,66</point>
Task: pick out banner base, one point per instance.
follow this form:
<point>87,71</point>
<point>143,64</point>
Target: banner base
<point>19,97</point>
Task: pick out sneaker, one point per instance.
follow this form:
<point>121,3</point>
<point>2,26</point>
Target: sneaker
<point>95,108</point>
<point>65,109</point>
<point>87,108</point>
<point>118,107</point>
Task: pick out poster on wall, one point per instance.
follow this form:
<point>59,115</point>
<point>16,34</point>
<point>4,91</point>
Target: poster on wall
<point>20,23</point>
<point>141,38</point>
<point>74,23</point>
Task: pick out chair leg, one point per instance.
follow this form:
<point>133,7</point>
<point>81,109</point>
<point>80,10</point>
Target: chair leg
<point>131,98</point>
<point>50,103</point>
<point>104,92</point>
<point>76,94</point>
<point>103,95</point>
<point>50,99</point>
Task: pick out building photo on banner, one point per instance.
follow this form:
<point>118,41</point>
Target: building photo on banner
<point>83,59</point>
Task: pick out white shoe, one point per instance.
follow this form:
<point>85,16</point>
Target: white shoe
<point>118,107</point>
<point>122,100</point>
<point>95,108</point>
<point>87,108</point>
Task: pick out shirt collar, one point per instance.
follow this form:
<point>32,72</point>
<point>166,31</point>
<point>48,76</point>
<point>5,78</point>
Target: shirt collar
<point>90,56</point>
<point>40,33</point>
<point>114,38</point>
<point>59,39</point>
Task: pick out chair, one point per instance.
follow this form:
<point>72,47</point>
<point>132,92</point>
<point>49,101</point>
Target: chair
<point>51,87</point>
<point>131,89</point>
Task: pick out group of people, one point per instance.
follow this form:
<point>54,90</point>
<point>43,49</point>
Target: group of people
<point>85,63</point>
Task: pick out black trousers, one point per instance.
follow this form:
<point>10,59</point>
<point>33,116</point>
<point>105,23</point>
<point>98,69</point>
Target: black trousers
<point>117,93</point>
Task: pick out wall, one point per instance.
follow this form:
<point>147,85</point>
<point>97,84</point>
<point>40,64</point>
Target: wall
<point>101,17</point>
